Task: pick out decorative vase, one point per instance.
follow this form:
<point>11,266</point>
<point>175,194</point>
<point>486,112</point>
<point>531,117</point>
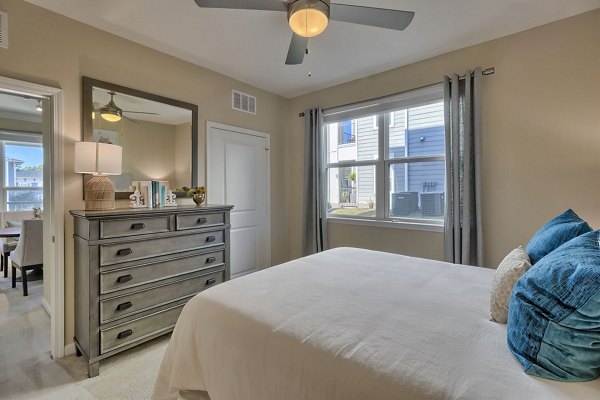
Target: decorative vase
<point>199,198</point>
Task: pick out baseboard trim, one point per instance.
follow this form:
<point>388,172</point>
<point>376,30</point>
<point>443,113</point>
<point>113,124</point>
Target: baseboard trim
<point>70,349</point>
<point>47,307</point>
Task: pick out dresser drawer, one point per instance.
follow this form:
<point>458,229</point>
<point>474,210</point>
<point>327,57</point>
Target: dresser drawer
<point>199,220</point>
<point>134,276</point>
<point>138,329</point>
<point>133,226</point>
<point>130,251</point>
<point>122,306</point>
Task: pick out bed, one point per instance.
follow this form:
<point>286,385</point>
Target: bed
<point>350,324</point>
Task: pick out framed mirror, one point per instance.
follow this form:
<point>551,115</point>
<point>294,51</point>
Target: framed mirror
<point>159,135</point>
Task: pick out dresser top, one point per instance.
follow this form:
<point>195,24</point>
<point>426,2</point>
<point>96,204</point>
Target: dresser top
<point>152,211</point>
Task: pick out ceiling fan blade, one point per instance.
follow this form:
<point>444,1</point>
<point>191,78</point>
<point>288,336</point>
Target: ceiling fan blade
<point>297,50</point>
<point>130,119</point>
<point>380,17</point>
<point>140,112</point>
<point>265,5</point>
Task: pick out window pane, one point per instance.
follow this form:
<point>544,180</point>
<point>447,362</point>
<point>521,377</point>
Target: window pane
<point>352,140</point>
<point>417,190</point>
<point>23,166</point>
<point>21,200</point>
<point>417,131</point>
<point>351,191</point>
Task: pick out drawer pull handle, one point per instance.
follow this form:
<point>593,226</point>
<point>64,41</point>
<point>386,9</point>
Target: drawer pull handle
<point>124,334</point>
<point>210,281</point>
<point>124,278</point>
<point>202,220</point>
<point>211,260</point>
<point>124,306</point>
<point>137,226</point>
<point>211,238</point>
<point>124,252</point>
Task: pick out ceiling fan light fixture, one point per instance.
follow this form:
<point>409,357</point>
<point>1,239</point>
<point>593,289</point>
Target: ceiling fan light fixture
<point>111,112</point>
<point>308,18</point>
<point>38,107</point>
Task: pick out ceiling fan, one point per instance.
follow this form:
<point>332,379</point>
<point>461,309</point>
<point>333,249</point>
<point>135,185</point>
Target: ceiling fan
<point>309,18</point>
<point>113,113</point>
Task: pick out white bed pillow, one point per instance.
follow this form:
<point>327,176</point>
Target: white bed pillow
<point>514,265</point>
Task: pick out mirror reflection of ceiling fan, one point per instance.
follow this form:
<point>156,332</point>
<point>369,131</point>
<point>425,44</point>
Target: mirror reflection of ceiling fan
<point>309,18</point>
<point>113,113</point>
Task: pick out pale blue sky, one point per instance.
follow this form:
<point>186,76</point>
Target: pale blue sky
<point>31,155</point>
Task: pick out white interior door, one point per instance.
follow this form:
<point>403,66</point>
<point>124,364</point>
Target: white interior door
<point>237,173</point>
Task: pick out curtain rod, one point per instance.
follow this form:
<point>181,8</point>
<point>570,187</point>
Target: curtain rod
<point>487,71</point>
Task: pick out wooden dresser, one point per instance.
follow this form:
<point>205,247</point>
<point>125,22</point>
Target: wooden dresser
<point>136,268</point>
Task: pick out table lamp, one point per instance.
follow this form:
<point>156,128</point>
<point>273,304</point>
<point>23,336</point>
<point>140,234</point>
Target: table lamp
<point>100,160</point>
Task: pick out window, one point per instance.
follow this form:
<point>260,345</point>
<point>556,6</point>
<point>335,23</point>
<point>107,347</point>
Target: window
<point>23,172</point>
<point>395,168</point>
<point>346,132</point>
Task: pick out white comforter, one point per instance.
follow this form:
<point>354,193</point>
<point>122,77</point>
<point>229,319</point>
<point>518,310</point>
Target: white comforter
<point>350,324</point>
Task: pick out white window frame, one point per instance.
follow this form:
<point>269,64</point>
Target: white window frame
<point>382,111</point>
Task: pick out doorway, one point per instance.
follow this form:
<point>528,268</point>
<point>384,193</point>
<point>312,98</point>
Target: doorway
<point>238,173</point>
<point>22,192</point>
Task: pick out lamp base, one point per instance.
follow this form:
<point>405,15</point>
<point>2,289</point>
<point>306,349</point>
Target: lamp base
<point>99,194</point>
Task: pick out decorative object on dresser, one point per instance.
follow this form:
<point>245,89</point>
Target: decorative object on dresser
<point>136,268</point>
<point>99,159</point>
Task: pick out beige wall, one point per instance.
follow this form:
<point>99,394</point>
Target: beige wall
<point>540,143</point>
<point>53,50</point>
<point>183,155</point>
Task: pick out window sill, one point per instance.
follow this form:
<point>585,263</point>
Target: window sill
<point>411,226</point>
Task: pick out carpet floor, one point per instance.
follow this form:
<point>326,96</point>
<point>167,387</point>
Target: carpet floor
<point>28,372</point>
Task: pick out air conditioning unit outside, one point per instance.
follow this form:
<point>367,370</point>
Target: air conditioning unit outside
<point>404,203</point>
<point>432,204</point>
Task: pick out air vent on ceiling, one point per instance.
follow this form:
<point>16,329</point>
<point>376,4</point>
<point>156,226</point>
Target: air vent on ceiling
<point>3,29</point>
<point>244,102</point>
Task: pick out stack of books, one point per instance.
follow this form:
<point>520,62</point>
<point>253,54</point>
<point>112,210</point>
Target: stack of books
<point>154,193</point>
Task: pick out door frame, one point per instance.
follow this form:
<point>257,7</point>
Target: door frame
<point>56,213</point>
<point>250,132</point>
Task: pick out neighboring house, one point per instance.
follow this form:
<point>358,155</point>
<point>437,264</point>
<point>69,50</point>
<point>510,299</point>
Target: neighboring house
<point>29,178</point>
<point>417,131</point>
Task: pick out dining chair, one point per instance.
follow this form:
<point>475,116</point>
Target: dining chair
<point>6,246</point>
<point>29,253</point>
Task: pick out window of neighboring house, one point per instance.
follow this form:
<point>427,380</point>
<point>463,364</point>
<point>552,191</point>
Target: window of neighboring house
<point>346,133</point>
<point>22,178</point>
<point>394,173</point>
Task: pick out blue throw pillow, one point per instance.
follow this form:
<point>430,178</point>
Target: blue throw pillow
<point>554,313</point>
<point>560,230</point>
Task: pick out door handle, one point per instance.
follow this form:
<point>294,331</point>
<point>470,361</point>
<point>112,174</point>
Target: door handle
<point>202,220</point>
<point>124,252</point>
<point>211,260</point>
<point>211,238</point>
<point>137,226</point>
<point>124,306</point>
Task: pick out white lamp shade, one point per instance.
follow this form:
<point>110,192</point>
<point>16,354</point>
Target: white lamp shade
<point>98,158</point>
<point>109,160</point>
<point>85,157</point>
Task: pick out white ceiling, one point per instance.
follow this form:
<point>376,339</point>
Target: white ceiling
<point>20,108</point>
<point>252,45</point>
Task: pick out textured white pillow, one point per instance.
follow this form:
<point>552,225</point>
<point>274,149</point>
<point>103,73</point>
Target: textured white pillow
<point>514,265</point>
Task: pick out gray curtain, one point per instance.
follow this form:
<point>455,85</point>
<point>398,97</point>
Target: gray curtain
<point>314,224</point>
<point>463,238</point>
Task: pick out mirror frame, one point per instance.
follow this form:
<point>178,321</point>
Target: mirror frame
<point>88,107</point>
